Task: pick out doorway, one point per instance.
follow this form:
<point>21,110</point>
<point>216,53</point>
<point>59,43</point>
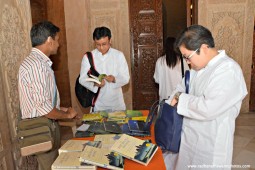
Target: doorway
<point>53,11</point>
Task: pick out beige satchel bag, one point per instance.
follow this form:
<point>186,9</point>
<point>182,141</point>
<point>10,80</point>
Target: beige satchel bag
<point>35,135</point>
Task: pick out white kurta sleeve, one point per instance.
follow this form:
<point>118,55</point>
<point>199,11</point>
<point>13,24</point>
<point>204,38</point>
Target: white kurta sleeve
<point>156,73</point>
<point>122,75</point>
<point>225,88</point>
<point>85,66</point>
<point>179,88</point>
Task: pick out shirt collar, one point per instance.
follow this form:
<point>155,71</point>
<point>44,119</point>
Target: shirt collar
<point>42,56</point>
<point>215,59</point>
<point>106,54</point>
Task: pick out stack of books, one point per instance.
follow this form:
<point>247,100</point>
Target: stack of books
<point>107,151</point>
<point>138,150</point>
<point>71,160</point>
<point>118,116</point>
<point>70,153</point>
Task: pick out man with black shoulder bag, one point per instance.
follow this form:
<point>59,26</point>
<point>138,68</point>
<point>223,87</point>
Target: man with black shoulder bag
<point>38,129</point>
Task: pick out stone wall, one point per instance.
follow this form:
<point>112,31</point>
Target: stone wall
<point>231,23</point>
<point>15,23</point>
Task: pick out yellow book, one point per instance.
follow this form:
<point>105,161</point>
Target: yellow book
<point>138,150</point>
<point>92,117</point>
<point>117,114</point>
<point>141,118</point>
<point>71,160</point>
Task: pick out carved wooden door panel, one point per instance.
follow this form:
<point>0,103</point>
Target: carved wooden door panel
<point>146,44</point>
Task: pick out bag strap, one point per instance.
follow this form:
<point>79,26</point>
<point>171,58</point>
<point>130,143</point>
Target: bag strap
<point>93,70</point>
<point>182,67</point>
<point>187,78</point>
<point>91,62</point>
<point>153,111</point>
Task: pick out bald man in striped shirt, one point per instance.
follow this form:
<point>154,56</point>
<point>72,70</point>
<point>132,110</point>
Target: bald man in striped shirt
<point>38,91</point>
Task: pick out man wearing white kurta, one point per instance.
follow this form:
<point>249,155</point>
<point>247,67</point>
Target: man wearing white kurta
<point>107,61</point>
<point>217,88</point>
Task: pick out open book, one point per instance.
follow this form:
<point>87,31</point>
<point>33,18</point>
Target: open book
<point>135,149</point>
<point>96,79</point>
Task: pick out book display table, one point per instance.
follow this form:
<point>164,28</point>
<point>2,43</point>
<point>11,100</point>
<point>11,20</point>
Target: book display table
<point>156,163</point>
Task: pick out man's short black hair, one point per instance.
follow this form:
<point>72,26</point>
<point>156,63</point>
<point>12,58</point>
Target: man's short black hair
<point>101,32</point>
<point>193,37</point>
<point>41,31</point>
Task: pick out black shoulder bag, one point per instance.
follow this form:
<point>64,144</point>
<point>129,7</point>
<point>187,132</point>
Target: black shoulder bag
<point>86,97</point>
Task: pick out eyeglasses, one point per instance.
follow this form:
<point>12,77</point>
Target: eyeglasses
<point>188,58</point>
<point>102,45</point>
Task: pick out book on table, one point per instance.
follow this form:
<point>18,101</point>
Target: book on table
<point>102,157</point>
<point>138,150</point>
<point>92,117</point>
<point>104,127</point>
<point>139,127</point>
<point>107,140</point>
<point>77,145</point>
<point>117,114</point>
<point>71,160</point>
<point>133,113</point>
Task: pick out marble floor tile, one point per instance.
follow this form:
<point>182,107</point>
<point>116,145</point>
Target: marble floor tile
<point>245,157</point>
<point>244,141</point>
<point>251,146</point>
<point>241,141</point>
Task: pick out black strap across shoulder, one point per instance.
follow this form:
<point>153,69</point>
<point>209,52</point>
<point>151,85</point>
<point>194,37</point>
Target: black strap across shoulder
<point>92,66</point>
<point>93,72</point>
<point>182,67</point>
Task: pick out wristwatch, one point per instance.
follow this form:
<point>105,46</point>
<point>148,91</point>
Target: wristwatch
<point>176,96</point>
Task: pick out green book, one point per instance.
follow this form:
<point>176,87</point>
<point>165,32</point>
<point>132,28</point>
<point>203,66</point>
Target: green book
<point>133,113</point>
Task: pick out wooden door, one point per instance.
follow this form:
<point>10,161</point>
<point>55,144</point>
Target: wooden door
<point>146,46</point>
<point>191,7</point>
<point>252,94</point>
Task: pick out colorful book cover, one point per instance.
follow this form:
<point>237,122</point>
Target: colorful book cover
<point>141,151</point>
<point>71,160</point>
<point>102,157</point>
